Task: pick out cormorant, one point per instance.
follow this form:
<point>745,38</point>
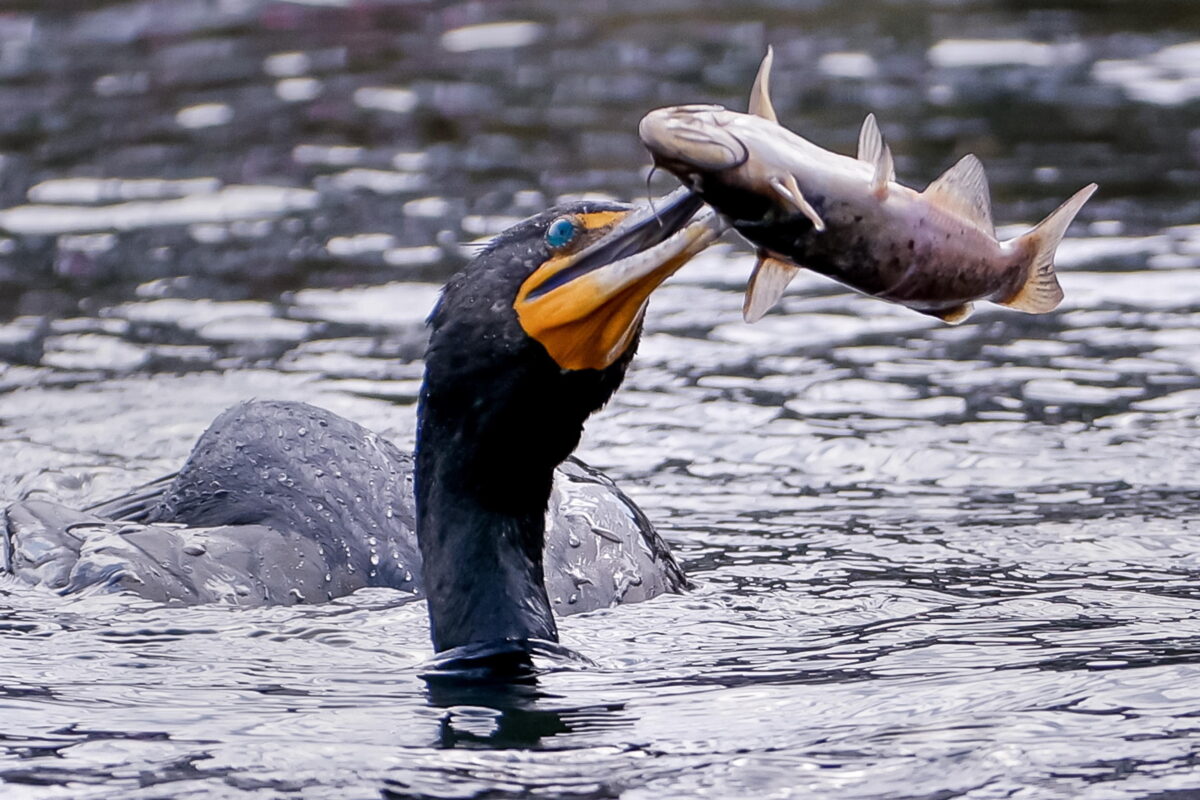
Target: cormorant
<point>283,502</point>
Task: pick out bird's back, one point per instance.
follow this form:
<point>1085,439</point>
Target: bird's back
<point>283,502</point>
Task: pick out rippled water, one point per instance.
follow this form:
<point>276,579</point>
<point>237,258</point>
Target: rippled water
<point>932,562</point>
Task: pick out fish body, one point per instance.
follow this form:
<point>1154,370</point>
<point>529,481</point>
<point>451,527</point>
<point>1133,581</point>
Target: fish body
<point>803,206</point>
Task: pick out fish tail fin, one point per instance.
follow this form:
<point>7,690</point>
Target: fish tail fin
<point>1041,292</point>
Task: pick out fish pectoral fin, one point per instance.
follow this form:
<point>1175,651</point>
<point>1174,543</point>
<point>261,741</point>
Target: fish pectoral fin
<point>954,315</point>
<point>964,189</point>
<point>760,93</point>
<point>790,193</point>
<point>768,281</point>
<point>874,151</point>
<point>1041,292</point>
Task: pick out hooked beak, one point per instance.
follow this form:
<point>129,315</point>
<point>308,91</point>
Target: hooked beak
<point>585,307</point>
<point>691,138</point>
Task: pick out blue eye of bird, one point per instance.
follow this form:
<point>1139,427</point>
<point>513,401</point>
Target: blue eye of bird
<point>561,232</point>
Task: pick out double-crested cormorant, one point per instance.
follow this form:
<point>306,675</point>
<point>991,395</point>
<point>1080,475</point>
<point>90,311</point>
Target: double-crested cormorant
<point>282,502</point>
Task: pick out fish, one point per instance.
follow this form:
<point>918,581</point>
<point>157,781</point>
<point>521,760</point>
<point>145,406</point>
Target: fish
<point>801,206</point>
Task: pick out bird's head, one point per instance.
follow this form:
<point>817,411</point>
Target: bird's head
<point>584,300</point>
<point>535,334</point>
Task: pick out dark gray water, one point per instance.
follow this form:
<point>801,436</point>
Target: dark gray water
<point>932,562</point>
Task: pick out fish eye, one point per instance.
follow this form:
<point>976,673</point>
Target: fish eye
<point>561,232</point>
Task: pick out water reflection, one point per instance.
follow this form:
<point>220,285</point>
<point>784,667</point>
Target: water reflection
<point>506,714</point>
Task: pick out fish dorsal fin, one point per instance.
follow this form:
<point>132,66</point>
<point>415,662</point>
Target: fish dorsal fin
<point>885,172</point>
<point>760,94</point>
<point>964,189</point>
<point>789,192</point>
<point>870,141</point>
<point>872,150</point>
<point>768,281</point>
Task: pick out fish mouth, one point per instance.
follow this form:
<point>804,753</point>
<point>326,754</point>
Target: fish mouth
<point>691,137</point>
<point>586,307</point>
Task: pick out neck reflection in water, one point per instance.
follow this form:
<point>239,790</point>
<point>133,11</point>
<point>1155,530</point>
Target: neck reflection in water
<point>492,698</point>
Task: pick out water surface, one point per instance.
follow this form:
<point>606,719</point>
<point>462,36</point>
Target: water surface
<point>931,561</point>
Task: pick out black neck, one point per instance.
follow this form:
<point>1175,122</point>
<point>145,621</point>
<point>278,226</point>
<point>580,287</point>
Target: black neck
<point>497,414</point>
<point>481,495</point>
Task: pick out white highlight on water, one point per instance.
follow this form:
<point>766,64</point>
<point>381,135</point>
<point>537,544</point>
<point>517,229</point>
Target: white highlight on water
<point>491,36</point>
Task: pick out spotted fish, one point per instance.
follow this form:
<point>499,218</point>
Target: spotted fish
<point>934,251</point>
